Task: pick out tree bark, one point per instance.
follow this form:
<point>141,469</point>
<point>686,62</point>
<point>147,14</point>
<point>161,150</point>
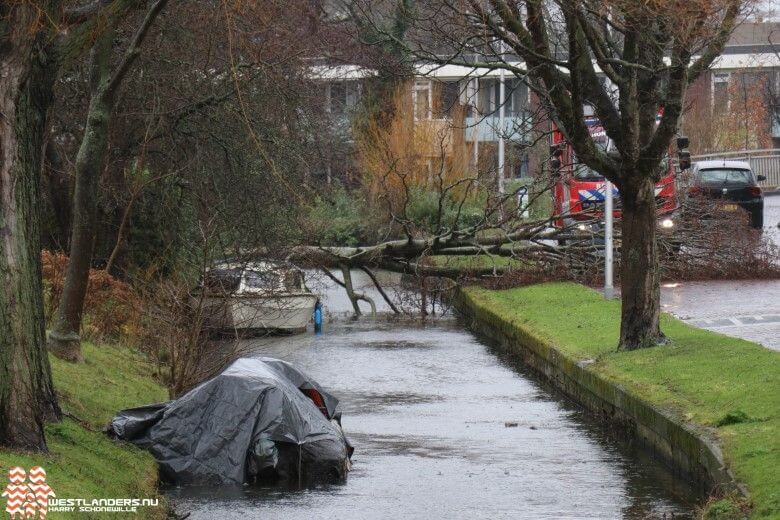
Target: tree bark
<point>64,339</point>
<point>350,290</point>
<point>639,274</point>
<point>27,396</point>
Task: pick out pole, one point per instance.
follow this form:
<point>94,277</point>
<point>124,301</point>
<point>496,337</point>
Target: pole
<point>501,96</point>
<point>476,122</point>
<point>609,289</point>
<point>318,317</point>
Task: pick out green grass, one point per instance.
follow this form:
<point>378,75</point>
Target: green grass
<point>475,261</point>
<point>727,384</point>
<point>82,461</point>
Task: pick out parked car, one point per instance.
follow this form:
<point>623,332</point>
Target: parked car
<point>731,182</point>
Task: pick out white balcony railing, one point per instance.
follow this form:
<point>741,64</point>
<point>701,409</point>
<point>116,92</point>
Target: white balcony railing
<point>488,128</point>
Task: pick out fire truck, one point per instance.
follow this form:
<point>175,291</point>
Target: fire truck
<point>579,192</point>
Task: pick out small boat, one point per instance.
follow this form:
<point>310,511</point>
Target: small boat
<point>256,298</point>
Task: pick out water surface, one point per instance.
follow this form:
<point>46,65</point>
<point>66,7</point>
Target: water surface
<point>444,428</point>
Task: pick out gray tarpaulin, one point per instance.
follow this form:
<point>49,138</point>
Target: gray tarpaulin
<point>256,421</point>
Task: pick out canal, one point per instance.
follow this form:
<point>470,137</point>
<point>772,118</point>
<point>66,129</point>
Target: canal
<point>444,427</point>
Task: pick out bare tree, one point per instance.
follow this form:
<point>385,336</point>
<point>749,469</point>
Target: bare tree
<point>64,339</point>
<point>632,63</point>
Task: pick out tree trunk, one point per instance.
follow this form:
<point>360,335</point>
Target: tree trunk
<point>27,395</point>
<point>64,339</point>
<point>639,276</point>
<point>350,290</point>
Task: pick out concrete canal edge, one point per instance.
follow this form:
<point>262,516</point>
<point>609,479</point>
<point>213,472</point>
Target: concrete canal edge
<point>688,450</point>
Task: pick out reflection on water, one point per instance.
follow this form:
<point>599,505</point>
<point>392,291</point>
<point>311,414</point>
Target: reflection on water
<point>444,428</point>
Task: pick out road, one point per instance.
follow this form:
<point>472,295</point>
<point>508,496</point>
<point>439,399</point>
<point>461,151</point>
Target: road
<point>744,309</point>
<point>772,217</point>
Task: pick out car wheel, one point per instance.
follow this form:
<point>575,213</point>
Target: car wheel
<point>757,219</point>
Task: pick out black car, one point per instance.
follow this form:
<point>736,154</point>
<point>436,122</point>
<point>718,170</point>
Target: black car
<point>732,182</point>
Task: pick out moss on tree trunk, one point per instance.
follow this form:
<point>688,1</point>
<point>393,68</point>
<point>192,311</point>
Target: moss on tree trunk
<point>27,395</point>
<point>64,339</point>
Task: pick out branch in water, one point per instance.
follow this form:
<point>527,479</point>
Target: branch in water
<point>380,289</point>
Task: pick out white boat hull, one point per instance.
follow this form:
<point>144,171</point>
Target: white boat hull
<point>254,313</point>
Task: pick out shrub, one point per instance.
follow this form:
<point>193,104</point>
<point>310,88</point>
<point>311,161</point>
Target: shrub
<point>110,304</point>
<point>339,219</point>
<point>538,194</point>
<point>423,210</point>
<point>723,509</point>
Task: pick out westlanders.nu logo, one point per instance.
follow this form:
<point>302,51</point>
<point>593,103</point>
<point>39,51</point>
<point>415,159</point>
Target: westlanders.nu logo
<point>27,499</point>
<point>35,499</point>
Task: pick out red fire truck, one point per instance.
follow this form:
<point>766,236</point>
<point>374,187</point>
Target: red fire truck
<point>579,192</point>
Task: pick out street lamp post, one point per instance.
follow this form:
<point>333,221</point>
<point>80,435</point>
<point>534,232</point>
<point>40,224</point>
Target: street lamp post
<point>501,96</point>
<point>609,289</point>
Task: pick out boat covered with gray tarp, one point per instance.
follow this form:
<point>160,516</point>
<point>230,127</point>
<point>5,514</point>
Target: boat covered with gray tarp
<point>260,421</point>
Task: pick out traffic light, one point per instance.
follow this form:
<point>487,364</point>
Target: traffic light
<point>555,157</point>
<point>683,155</point>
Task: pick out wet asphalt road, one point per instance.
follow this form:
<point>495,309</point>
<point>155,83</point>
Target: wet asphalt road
<point>445,428</point>
<point>748,309</point>
<point>772,217</point>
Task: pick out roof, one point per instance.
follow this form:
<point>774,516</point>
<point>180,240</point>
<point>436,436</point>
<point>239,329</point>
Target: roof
<point>341,72</point>
<point>736,165</point>
<point>733,61</point>
<point>746,61</point>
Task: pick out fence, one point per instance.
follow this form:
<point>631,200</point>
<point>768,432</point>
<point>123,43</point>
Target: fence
<point>762,162</point>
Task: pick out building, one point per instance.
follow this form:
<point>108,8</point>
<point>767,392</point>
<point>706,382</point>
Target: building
<point>739,96</point>
<point>734,105</point>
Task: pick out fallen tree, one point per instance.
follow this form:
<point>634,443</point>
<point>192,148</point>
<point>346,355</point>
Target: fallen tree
<point>708,243</point>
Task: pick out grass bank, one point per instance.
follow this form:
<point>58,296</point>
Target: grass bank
<point>726,387</point>
<point>83,462</point>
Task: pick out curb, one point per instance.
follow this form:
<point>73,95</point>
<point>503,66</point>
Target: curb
<point>689,450</point>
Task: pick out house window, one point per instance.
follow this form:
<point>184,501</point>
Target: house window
<point>469,92</point>
<point>344,96</point>
<point>720,92</point>
<point>352,95</point>
<point>515,97</point>
<point>337,94</point>
<point>422,100</point>
<point>450,98</point>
